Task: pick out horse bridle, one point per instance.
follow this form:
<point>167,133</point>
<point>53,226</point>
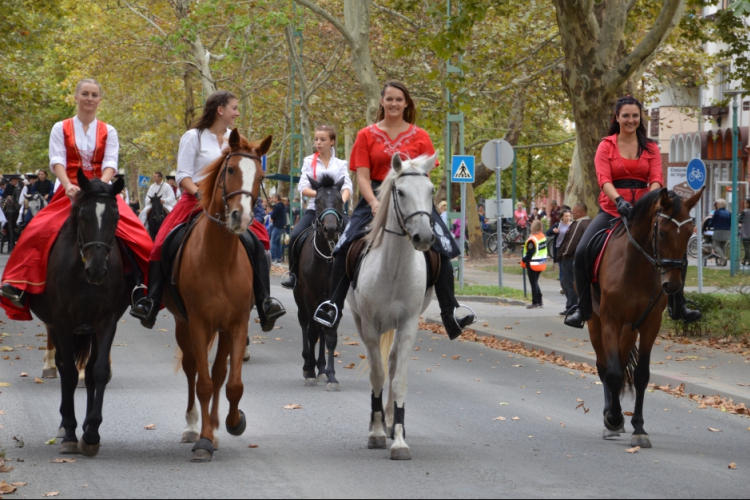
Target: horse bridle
<point>226,197</point>
<point>319,225</point>
<point>98,244</point>
<point>664,265</point>
<point>399,214</point>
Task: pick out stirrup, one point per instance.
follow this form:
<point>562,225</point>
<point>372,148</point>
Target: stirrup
<point>132,295</point>
<point>17,300</point>
<point>322,321</point>
<point>283,277</point>
<point>463,306</point>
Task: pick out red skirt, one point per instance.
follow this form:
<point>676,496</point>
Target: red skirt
<point>185,210</point>
<point>27,265</point>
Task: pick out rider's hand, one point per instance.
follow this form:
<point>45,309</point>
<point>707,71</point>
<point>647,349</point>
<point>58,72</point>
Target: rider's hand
<point>71,191</point>
<point>623,207</point>
<point>375,204</point>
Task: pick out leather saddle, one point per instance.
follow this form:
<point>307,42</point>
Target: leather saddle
<point>300,242</point>
<point>359,250</point>
<point>596,248</point>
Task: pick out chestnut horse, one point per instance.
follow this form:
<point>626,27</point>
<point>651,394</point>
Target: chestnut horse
<point>643,264</point>
<point>215,281</point>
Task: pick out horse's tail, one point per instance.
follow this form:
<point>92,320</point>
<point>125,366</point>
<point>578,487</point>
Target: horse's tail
<point>82,349</point>
<point>179,354</point>
<point>386,344</point>
<point>629,373</point>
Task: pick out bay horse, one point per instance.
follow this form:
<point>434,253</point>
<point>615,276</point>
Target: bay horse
<point>643,264</point>
<point>214,278</point>
<point>392,292</point>
<point>86,295</point>
<point>156,216</point>
<point>314,283</point>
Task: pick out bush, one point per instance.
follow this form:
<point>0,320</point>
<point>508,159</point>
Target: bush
<point>722,315</point>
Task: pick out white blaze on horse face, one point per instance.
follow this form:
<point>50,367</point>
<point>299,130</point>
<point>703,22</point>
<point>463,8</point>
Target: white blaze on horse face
<point>100,208</point>
<point>248,168</point>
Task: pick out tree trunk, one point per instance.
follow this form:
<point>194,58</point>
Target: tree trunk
<point>202,60</point>
<point>189,101</point>
<point>477,249</point>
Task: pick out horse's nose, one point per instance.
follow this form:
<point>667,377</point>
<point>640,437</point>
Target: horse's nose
<point>96,276</point>
<point>670,287</point>
<point>330,232</point>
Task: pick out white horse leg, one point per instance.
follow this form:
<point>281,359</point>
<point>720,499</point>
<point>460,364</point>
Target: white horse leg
<point>50,368</point>
<point>402,348</point>
<point>192,432</point>
<point>371,338</point>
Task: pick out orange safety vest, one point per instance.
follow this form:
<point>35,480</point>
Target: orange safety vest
<point>539,259</point>
<point>73,156</point>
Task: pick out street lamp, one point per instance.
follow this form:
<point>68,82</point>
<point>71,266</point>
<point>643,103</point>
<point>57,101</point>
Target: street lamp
<point>733,250</point>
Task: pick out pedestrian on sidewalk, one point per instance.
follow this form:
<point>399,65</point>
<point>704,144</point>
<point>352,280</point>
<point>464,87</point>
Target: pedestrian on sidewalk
<point>521,218</point>
<point>535,261</point>
<point>443,211</point>
<point>567,254</point>
<point>745,232</point>
<point>556,234</point>
<point>554,213</point>
<point>278,224</point>
<point>722,225</point>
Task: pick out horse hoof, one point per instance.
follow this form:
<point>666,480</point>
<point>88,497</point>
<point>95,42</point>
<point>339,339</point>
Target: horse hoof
<point>400,454</point>
<point>190,437</point>
<point>311,382</point>
<point>49,373</point>
<point>88,450</point>
<point>241,427</point>
<point>376,443</point>
<point>641,440</point>
<point>61,432</point>
<point>203,451</point>
<point>333,387</point>
<point>69,448</point>
<point>614,428</point>
<point>323,378</point>
<point>608,434</point>
<point>81,384</point>
<point>246,358</point>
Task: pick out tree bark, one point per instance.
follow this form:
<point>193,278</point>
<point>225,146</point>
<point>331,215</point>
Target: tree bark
<point>477,249</point>
<point>189,101</point>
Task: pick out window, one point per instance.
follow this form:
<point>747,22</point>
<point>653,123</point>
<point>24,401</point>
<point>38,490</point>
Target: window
<point>654,123</point>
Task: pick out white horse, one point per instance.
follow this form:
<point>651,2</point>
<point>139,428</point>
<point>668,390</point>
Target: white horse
<point>392,291</point>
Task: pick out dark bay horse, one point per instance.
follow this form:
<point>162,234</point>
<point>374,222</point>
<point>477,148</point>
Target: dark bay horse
<point>314,284</point>
<point>156,216</point>
<point>643,264</point>
<point>86,295</point>
<point>214,278</point>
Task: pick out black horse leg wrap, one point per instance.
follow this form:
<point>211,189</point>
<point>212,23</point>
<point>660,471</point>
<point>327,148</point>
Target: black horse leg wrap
<point>377,407</point>
<point>399,416</point>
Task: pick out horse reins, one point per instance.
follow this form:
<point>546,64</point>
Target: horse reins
<point>98,244</point>
<point>399,214</point>
<point>319,226</point>
<point>226,197</point>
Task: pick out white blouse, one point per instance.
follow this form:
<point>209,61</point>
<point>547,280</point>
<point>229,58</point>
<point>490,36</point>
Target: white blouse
<point>197,152</point>
<point>336,169</point>
<point>86,143</point>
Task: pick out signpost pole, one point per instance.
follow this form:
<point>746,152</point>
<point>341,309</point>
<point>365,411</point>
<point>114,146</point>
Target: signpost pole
<point>733,250</point>
<point>498,172</point>
<point>700,245</point>
<point>463,236</point>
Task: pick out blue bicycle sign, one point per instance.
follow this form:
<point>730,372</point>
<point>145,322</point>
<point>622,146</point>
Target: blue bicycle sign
<point>696,174</point>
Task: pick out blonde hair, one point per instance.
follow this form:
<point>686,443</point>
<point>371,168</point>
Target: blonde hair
<point>537,226</point>
<point>721,203</point>
<point>442,206</point>
<point>91,81</point>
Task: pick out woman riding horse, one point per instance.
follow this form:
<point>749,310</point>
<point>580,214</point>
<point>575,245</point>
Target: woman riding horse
<point>199,147</point>
<point>79,143</point>
<point>322,163</point>
<point>628,166</point>
<point>393,134</point>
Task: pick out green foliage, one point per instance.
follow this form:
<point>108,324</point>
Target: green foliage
<point>723,315</point>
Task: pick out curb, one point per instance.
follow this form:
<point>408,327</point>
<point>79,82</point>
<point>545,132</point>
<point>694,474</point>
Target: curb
<point>657,377</point>
<point>489,300</point>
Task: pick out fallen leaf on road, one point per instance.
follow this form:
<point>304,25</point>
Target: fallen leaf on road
<point>429,370</point>
<point>18,484</point>
<point>354,343</point>
<point>6,357</point>
<point>2,412</point>
<point>517,366</point>
<point>732,466</point>
<point>628,413</point>
<point>6,349</point>
<point>336,354</point>
<point>562,424</point>
<point>150,427</point>
<point>253,446</point>
<point>51,494</point>
<point>515,418</point>
<point>585,410</point>
<point>456,358</point>
<point>24,374</point>
<point>162,329</point>
<point>486,325</point>
<point>4,384</point>
<point>714,430</point>
<point>469,360</point>
<point>38,381</point>
<point>508,327</point>
<point>547,334</point>
<point>51,442</point>
<point>350,366</point>
<point>415,359</point>
<point>362,356</point>
<point>506,404</point>
<point>63,461</point>
<point>501,419</point>
<point>416,349</point>
<point>633,450</point>
<point>293,407</point>
<point>478,379</point>
<point>598,383</point>
<point>7,489</point>
<point>3,468</point>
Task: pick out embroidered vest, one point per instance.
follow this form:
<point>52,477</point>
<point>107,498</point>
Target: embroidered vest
<point>91,168</point>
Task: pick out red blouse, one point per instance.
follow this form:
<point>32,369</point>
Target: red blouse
<point>374,149</point>
<point>611,166</point>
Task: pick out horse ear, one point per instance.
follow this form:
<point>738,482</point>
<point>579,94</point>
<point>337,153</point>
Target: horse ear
<point>118,186</point>
<point>234,140</point>
<point>28,196</point>
<point>665,201</point>
<point>694,199</point>
<point>313,183</point>
<point>265,145</point>
<point>340,183</point>
<point>429,164</point>
<point>396,163</point>
<point>83,182</point>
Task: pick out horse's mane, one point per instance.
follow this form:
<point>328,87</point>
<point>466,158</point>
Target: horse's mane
<point>207,186</point>
<point>375,237</point>
<point>327,181</point>
<point>642,208</point>
<point>98,188</point>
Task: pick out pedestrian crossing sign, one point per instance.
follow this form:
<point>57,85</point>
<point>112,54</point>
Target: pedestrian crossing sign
<point>463,169</point>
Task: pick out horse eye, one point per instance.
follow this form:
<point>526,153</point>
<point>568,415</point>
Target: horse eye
<point>400,193</point>
<point>662,235</point>
<point>230,170</point>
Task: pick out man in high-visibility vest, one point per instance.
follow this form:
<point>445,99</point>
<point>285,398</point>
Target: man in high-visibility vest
<point>535,261</point>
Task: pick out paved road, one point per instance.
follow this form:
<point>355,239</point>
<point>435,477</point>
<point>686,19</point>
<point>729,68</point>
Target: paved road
<point>321,450</point>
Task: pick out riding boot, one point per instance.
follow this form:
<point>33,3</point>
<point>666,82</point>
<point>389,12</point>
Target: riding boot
<point>444,289</point>
<point>678,309</point>
<point>14,295</point>
<point>147,308</point>
<point>329,313</point>
<point>289,280</point>
<point>581,313</point>
<point>269,309</point>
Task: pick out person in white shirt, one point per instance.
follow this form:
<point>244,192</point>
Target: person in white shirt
<point>323,162</point>
<point>162,189</point>
<point>172,181</point>
<point>199,147</point>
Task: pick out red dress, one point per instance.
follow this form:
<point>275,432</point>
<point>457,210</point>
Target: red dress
<point>374,149</point>
<point>611,167</point>
<point>27,265</point>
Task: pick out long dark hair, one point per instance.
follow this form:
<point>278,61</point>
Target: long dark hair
<point>213,103</point>
<point>641,134</point>
<point>410,113</point>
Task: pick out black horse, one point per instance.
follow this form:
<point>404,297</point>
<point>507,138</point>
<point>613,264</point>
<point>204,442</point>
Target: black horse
<point>314,283</point>
<point>156,216</point>
<point>86,295</point>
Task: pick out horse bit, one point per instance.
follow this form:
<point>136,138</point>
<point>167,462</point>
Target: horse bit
<point>83,246</point>
<point>319,225</point>
<point>226,197</point>
<point>399,214</point>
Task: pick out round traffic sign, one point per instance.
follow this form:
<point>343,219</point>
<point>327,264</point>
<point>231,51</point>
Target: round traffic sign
<point>696,174</point>
<point>497,154</point>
